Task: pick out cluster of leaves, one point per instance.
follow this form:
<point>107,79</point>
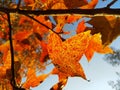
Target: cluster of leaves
<point>37,42</point>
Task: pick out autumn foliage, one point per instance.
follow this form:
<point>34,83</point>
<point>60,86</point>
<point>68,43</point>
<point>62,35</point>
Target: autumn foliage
<point>39,42</point>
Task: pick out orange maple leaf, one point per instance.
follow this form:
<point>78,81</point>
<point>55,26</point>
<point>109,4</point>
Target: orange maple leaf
<point>33,80</point>
<point>23,19</point>
<point>66,55</point>
<point>44,52</point>
<point>40,29</point>
<point>81,27</point>
<point>28,2</point>
<point>73,18</point>
<point>4,48</point>
<point>63,77</point>
<point>21,35</point>
<point>90,5</point>
<point>95,45</point>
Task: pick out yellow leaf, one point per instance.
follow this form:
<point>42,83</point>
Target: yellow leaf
<point>95,45</point>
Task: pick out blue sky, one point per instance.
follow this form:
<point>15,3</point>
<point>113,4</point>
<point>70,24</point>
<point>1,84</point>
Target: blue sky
<point>97,71</point>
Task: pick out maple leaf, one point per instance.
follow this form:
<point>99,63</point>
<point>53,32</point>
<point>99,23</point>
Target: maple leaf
<point>64,4</point>
<point>90,5</point>
<point>40,29</point>
<point>66,55</point>
<point>75,3</point>
<point>109,29</point>
<point>62,20</point>
<point>1,34</point>
<point>33,80</point>
<point>3,72</point>
<point>73,18</point>
<point>95,45</point>
<point>44,52</point>
<point>81,27</point>
<point>21,35</point>
<point>59,5</point>
<point>4,48</point>
<point>63,77</point>
<point>28,2</point>
<point>24,19</point>
<point>5,68</point>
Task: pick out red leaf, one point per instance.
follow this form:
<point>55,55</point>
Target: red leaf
<point>73,18</point>
<point>21,35</point>
<point>44,52</point>
<point>81,27</point>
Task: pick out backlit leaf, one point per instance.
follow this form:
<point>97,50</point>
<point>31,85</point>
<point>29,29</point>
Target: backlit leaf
<point>73,18</point>
<point>44,52</point>
<point>81,27</point>
<point>90,5</point>
<point>66,55</point>
<point>21,35</point>
<point>4,48</point>
<point>95,45</point>
<point>33,80</point>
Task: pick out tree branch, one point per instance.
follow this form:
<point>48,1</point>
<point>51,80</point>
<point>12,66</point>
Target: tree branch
<point>85,12</point>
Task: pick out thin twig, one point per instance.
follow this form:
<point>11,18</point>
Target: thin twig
<point>111,3</point>
<point>12,53</point>
<point>38,22</point>
<point>18,5</point>
<point>41,23</point>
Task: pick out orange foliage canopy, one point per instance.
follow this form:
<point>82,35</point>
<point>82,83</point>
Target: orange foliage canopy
<point>31,46</point>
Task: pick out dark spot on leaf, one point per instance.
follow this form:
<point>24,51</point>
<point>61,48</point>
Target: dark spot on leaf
<point>38,36</point>
<point>56,65</point>
<point>46,18</point>
<point>25,41</point>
